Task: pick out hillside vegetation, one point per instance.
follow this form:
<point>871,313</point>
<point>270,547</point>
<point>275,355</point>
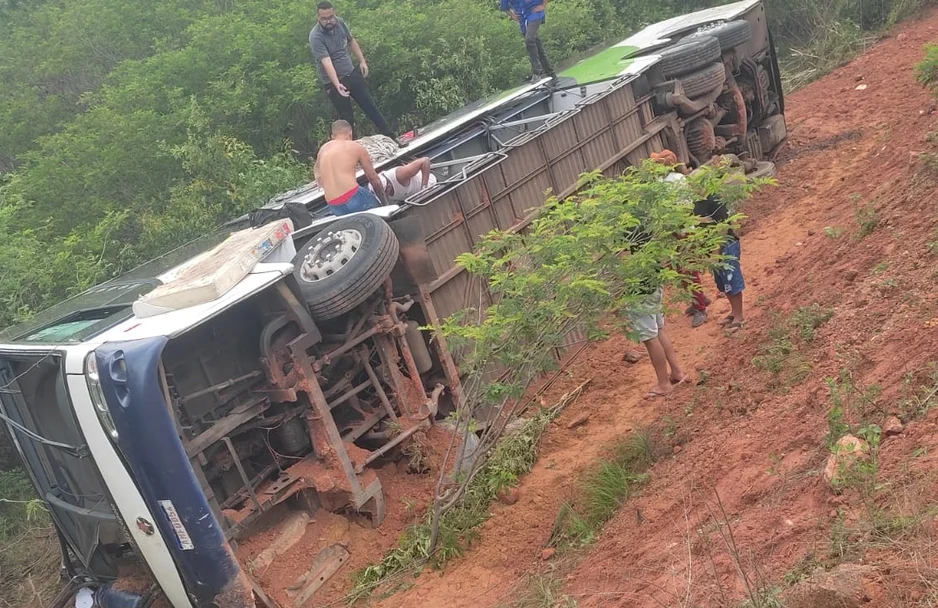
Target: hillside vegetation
<point>128,127</point>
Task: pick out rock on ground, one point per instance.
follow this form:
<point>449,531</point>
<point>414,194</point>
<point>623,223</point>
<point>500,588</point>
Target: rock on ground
<point>843,587</point>
<point>847,451</point>
<point>508,496</point>
<point>892,427</point>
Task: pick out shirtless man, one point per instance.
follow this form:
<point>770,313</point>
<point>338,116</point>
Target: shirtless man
<point>335,169</point>
<point>400,183</point>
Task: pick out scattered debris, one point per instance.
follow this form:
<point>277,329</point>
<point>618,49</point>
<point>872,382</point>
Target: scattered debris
<point>292,533</point>
<point>327,562</point>
<point>580,420</point>
<point>548,553</point>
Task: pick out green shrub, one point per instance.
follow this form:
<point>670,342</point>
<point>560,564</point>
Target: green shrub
<point>926,72</point>
<point>19,507</point>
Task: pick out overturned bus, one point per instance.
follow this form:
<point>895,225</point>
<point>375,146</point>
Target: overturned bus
<point>163,413</point>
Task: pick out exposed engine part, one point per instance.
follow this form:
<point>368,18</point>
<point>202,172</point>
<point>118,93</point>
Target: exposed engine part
<point>736,114</point>
<point>753,145</point>
<point>339,385</point>
<point>754,82</point>
<point>702,140</point>
<point>418,347</point>
<point>222,461</point>
<point>291,437</point>
<point>671,96</point>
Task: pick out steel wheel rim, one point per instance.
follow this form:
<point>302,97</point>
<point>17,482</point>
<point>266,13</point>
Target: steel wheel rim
<point>331,253</point>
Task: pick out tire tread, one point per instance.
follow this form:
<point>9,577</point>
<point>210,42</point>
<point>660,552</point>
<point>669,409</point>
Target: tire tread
<point>689,55</point>
<point>730,34</point>
<point>704,81</point>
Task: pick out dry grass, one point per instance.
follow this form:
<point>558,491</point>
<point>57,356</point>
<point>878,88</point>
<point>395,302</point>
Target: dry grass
<point>29,569</point>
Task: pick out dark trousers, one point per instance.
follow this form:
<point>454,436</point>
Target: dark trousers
<point>358,90</point>
<point>539,63</point>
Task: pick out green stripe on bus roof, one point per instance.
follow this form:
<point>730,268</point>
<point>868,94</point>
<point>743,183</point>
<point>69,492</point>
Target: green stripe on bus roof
<point>601,66</point>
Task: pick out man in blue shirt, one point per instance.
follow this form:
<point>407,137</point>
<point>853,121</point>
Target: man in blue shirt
<point>530,14</point>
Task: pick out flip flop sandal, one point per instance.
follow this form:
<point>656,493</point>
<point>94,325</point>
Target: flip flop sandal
<point>684,380</point>
<point>652,395</point>
<point>727,320</point>
<point>734,327</point>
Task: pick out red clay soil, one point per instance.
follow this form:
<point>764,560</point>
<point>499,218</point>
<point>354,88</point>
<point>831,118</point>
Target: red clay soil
<point>755,450</point>
<point>406,498</point>
<point>739,450</point>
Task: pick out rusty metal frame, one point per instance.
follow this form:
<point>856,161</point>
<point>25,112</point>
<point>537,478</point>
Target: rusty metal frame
<point>292,371</point>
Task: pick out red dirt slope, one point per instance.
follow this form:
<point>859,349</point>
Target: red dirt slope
<point>759,449</point>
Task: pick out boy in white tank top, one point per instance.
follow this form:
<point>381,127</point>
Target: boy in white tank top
<point>403,182</point>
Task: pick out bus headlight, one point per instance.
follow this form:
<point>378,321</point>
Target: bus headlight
<point>97,396</point>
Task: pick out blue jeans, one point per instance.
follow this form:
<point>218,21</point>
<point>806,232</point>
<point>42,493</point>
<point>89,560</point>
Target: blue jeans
<point>363,200</point>
<point>729,276</point>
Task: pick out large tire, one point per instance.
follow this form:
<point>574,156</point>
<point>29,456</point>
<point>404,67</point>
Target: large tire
<point>730,34</point>
<point>701,82</point>
<point>689,54</point>
<point>701,138</point>
<point>342,266</point>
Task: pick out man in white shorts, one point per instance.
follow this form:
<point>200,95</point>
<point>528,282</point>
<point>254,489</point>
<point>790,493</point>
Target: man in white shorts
<point>402,182</point>
<point>646,321</point>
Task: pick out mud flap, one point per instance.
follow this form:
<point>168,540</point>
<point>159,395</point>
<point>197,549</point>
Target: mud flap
<point>149,442</point>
